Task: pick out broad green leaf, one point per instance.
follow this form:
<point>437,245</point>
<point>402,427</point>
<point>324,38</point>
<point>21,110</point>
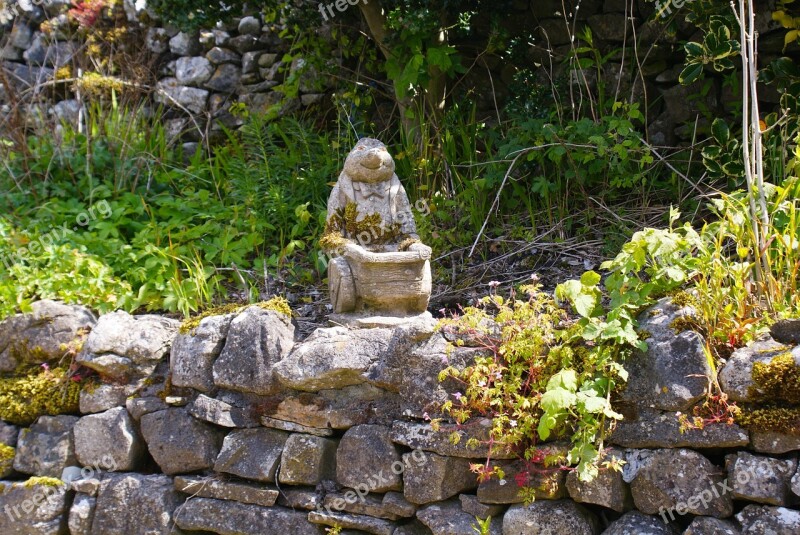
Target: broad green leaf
<point>590,278</point>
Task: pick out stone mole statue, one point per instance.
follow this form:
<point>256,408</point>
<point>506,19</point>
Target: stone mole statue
<point>379,265</point>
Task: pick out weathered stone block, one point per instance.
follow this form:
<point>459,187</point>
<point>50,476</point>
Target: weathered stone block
<point>257,340</point>
<point>178,442</point>
<point>447,518</point>
<point>547,483</point>
<point>233,518</point>
<point>636,523</point>
<point>47,447</point>
<point>135,504</point>
<point>376,526</point>
<point>252,454</point>
<point>680,481</point>
<point>432,478</point>
<point>193,353</point>
<point>758,519</point>
<point>109,439</point>
<point>761,479</point>
<point>549,518</point>
<point>307,460</point>
<point>32,509</point>
<point>222,414</point>
<point>607,489</point>
<point>206,487</point>
<point>367,456</point>
<point>103,397</point>
<point>423,437</point>
<point>81,514</point>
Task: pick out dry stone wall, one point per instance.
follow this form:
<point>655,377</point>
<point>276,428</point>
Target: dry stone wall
<point>198,77</point>
<point>234,426</point>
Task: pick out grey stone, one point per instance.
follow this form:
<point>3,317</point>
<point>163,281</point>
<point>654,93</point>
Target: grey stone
<point>103,397</point>
<point>49,54</point>
<point>767,520</point>
<point>226,79</point>
<point>447,518</point>
<point>171,93</point>
<point>607,489</point>
<point>46,448</point>
<point>8,434</point>
<point>396,504</point>
<point>206,487</point>
<point>81,514</point>
<point>761,479</point>
<point>366,456</point>
<point>221,37</point>
<point>333,358</point>
<point>668,479</point>
<point>193,353</point>
<point>472,506</point>
<point>673,374</point>
<point>774,442</point>
<point>138,407</point>
<point>549,518</point>
<point>135,504</point>
<point>307,460</point>
<point>636,523</point>
<point>547,483</point>
<point>250,62</point>
<point>258,339</point>
<point>86,485</point>
<point>333,409</point>
<point>655,429</point>
<point>350,501</point>
<point>122,346</point>
<point>157,40</point>
<point>21,35</point>
<point>610,27</point>
<point>423,437</point>
<point>244,43</point>
<point>109,439</point>
<point>193,70</point>
<point>68,111</point>
<point>736,376</point>
<point>786,331</point>
<point>220,413</point>
<point>250,26</point>
<point>795,482</point>
<point>23,77</point>
<point>33,509</point>
<point>298,498</point>
<point>376,526</point>
<point>292,427</point>
<point>232,518</point>
<point>706,525</point>
<point>218,55</point>
<point>415,527</point>
<point>310,100</point>
<point>433,478</point>
<point>252,454</point>
<point>262,101</point>
<point>178,442</point>
<point>39,336</point>
<point>185,44</point>
<point>267,60</point>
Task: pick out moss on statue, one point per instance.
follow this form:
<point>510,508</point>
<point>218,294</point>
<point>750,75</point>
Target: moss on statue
<point>277,304</point>
<point>42,392</point>
<point>344,225</point>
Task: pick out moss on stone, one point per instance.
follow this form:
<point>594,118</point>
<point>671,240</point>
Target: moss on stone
<point>43,482</point>
<point>6,457</point>
<point>278,304</point>
<point>777,380</point>
<point>683,299</point>
<point>43,392</point>
<point>772,419</point>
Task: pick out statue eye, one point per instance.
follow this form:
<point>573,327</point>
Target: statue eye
<point>361,147</point>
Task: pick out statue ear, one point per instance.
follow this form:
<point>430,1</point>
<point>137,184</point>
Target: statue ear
<point>346,188</point>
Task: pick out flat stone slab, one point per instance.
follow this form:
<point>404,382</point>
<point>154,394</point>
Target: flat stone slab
<point>360,321</point>
<point>376,526</point>
<point>293,427</point>
<point>423,437</point>
<point>233,518</point>
<point>654,429</point>
<point>205,487</point>
<point>220,413</point>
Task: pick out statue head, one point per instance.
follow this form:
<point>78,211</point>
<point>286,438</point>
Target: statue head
<point>370,162</point>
